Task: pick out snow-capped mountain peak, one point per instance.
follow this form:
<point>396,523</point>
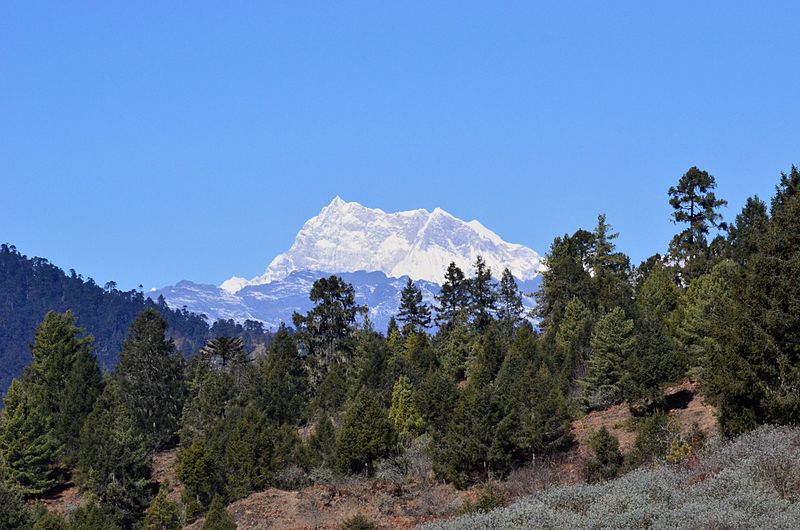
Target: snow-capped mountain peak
<point>348,237</point>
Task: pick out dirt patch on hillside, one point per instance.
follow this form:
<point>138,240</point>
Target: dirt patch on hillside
<point>326,507</point>
<point>690,408</point>
<point>164,464</point>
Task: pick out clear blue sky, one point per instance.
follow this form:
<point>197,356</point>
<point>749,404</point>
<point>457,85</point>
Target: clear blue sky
<point>147,144</point>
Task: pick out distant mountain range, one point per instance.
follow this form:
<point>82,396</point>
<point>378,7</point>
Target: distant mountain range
<point>373,250</point>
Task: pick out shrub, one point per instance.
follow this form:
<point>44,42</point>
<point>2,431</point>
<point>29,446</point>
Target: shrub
<point>492,495</point>
<point>359,522</point>
<point>607,460</point>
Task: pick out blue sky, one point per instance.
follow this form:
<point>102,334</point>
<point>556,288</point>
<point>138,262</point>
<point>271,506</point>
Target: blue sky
<point>147,144</point>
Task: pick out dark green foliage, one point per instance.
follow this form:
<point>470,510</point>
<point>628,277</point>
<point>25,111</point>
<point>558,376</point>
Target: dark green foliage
<point>163,514</point>
<point>611,269</point>
<point>326,332</point>
<point>747,231</point>
<point>150,379</point>
<point>282,380</point>
<point>50,521</point>
<point>359,522</point>
<point>654,434</point>
<point>607,460</point>
<point>492,495</point>
<point>509,300</point>
<point>322,443</point>
<point>365,435</point>
<point>695,204</point>
<point>29,448</point>
<point>63,378</point>
<point>91,517</point>
<point>218,517</point>
<point>612,344</point>
<point>414,314</point>
<point>113,460</point>
<point>435,399</point>
<point>656,357</point>
<point>200,473</point>
<point>225,352</point>
<point>483,295</point>
<point>14,512</point>
<point>571,345</point>
<point>453,298</point>
<point>31,287</point>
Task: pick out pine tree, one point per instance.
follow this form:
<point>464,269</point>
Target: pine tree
<point>50,521</point>
<point>323,441</point>
<point>91,517</point>
<point>199,470</point>
<point>413,312</point>
<point>656,358</point>
<point>63,379</point>
<point>327,332</point>
<point>611,343</point>
<point>695,203</point>
<point>150,379</point>
<point>403,412</point>
<point>747,230</point>
<point>218,517</point>
<point>572,340</point>
<point>365,435</point>
<point>282,382</point>
<point>607,460</point>
<point>113,460</point>
<point>509,300</point>
<point>225,352</point>
<point>28,443</point>
<point>483,295</point>
<point>163,514</point>
<point>610,269</point>
<point>453,298</point>
<point>14,512</point>
<point>566,278</point>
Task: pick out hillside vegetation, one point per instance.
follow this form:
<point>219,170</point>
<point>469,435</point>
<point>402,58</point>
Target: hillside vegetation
<point>421,425</point>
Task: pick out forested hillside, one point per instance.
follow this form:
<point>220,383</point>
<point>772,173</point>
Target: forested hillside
<point>30,287</point>
<point>483,399</point>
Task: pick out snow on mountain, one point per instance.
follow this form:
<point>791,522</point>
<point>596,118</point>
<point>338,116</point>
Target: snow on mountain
<point>274,302</point>
<point>349,237</point>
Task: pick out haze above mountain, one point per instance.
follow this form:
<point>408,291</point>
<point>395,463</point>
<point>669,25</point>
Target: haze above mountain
<point>349,237</point>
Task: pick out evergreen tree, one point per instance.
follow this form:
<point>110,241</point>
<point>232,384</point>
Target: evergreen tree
<point>150,379</point>
<point>566,278</point>
<point>695,204</point>
<point>607,460</point>
<point>113,459</point>
<point>28,443</point>
<point>453,298</point>
<point>91,517</point>
<point>571,345</point>
<point>391,327</point>
<point>403,412</point>
<point>199,470</point>
<point>63,379</point>
<point>610,269</point>
<point>366,434</point>
<point>509,300</point>
<point>218,517</point>
<point>611,343</point>
<point>747,230</point>
<point>413,312</point>
<point>283,384</point>
<point>656,358</point>
<point>14,512</point>
<point>323,441</point>
<point>483,295</point>
<point>435,399</point>
<point>163,514</point>
<point>225,351</point>
<point>327,331</point>
<point>50,521</point>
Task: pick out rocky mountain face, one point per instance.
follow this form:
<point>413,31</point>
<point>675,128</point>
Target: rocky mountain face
<point>373,250</point>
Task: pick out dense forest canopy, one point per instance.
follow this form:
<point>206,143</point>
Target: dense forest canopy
<point>30,287</point>
<point>485,394</point>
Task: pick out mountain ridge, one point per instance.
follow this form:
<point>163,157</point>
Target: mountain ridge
<point>349,237</point>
